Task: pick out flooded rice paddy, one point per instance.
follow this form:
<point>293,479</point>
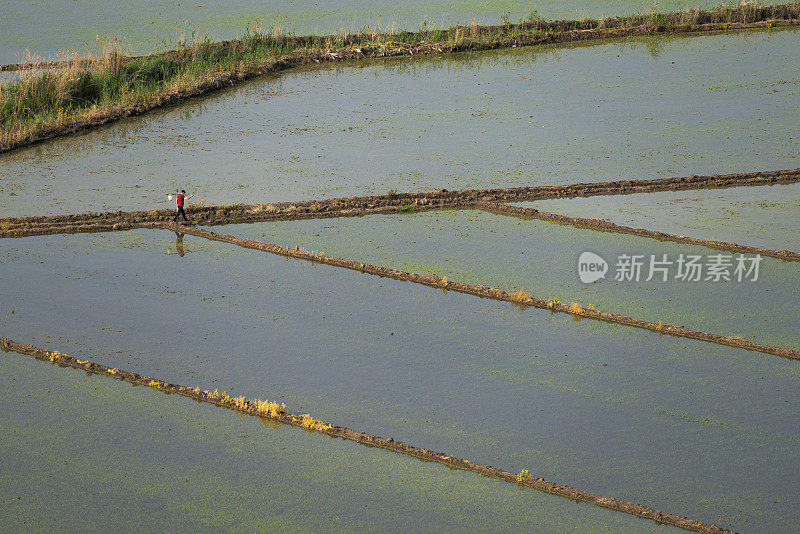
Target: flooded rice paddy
<point>668,422</point>
<point>46,27</point>
<point>638,108</point>
<point>541,258</point>
<point>763,217</point>
<point>692,428</point>
<point>98,453</point>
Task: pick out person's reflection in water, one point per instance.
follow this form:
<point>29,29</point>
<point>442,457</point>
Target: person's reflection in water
<point>179,243</point>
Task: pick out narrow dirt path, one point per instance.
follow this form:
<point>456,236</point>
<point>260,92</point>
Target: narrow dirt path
<point>605,226</point>
<point>365,205</point>
<point>519,298</point>
<point>275,413</point>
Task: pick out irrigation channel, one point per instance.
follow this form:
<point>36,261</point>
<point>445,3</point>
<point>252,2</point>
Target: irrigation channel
<point>275,412</point>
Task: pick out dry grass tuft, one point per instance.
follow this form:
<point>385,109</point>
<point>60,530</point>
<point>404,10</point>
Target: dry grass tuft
<point>310,423</point>
<point>520,296</point>
<point>270,409</point>
<point>577,309</point>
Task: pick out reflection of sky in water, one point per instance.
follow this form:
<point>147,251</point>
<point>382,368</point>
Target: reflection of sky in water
<point>597,406</point>
<point>44,27</point>
<point>640,108</point>
<point>765,217</point>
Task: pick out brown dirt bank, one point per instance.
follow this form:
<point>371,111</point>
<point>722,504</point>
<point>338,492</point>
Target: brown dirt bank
<point>355,206</point>
<point>526,34</point>
<point>519,298</point>
<point>605,226</point>
<point>252,408</point>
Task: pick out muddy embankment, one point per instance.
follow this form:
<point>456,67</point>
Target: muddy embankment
<point>475,38</point>
<point>364,205</point>
<point>605,226</point>
<point>519,298</point>
<point>256,408</point>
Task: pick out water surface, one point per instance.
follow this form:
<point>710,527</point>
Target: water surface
<point>541,258</point>
<point>668,422</point>
<point>641,108</point>
<point>90,454</point>
<point>765,217</point>
<point>46,27</point>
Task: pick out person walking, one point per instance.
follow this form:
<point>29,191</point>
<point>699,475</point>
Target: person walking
<point>180,201</point>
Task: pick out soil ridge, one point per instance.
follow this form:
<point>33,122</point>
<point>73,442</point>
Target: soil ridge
<point>245,406</point>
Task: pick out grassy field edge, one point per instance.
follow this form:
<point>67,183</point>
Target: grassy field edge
<point>106,86</point>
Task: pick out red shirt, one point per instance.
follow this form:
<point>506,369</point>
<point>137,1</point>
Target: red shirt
<point>180,200</point>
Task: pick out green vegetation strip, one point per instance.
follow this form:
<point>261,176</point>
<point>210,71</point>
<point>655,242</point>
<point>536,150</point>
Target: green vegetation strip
<point>108,86</point>
<point>275,412</point>
<point>520,298</point>
<point>389,203</point>
<point>605,226</point>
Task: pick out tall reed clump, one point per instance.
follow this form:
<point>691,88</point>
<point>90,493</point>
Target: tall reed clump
<point>79,82</point>
<point>105,78</point>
